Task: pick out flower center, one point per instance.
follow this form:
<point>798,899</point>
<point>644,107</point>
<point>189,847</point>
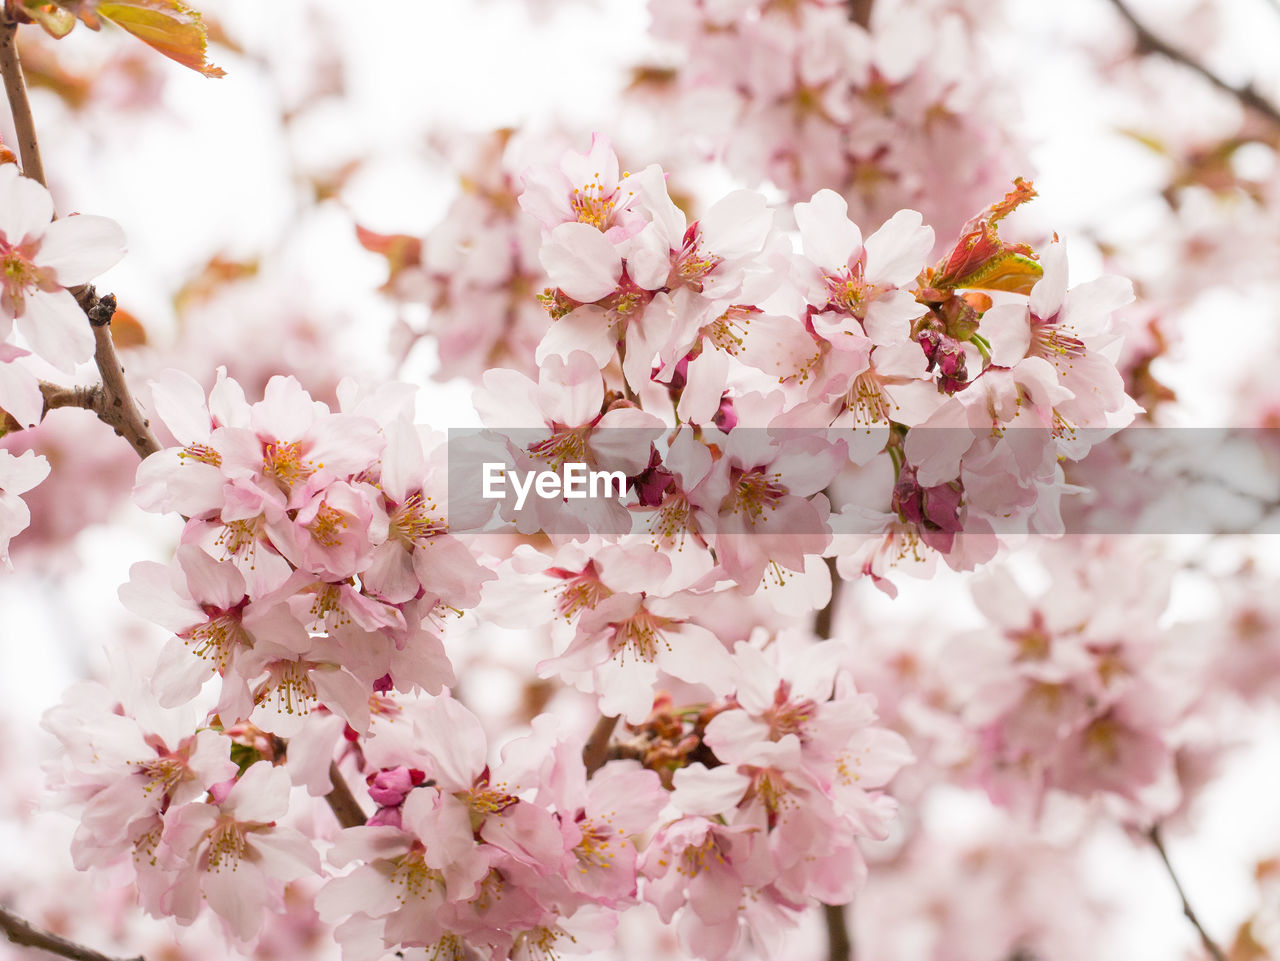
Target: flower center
<point>415,520</point>
<point>754,492</point>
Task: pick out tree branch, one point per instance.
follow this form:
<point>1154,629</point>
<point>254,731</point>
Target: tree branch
<point>1148,42</point>
<point>596,751</point>
<point>839,944</point>
<point>839,940</point>
<point>25,934</point>
<point>860,12</point>
<point>16,90</point>
<point>116,406</point>
<point>342,802</point>
<point>1209,945</point>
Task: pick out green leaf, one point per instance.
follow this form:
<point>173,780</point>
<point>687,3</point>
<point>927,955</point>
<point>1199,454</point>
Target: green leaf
<point>55,21</point>
<point>169,26</point>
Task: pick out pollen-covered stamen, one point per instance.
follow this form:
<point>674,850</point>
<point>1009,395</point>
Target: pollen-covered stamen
<point>410,874</point>
<point>806,368</point>
<point>202,453</point>
<point>449,948</point>
<point>641,635</point>
<point>565,446</point>
<point>1054,342</point>
<point>773,790</point>
<point>867,400</point>
<point>672,522</point>
<point>416,521</point>
<point>163,774</point>
<point>728,332</point>
<point>581,591</point>
<point>327,527</point>
<point>754,493</point>
<point>697,858</point>
<point>327,609</point>
<point>217,639</point>
<point>786,716</point>
<point>240,538</point>
<point>285,463</point>
<point>1061,427</point>
<point>596,848</point>
<point>692,264</point>
<point>19,275</point>
<point>593,204</point>
<point>540,943</point>
<point>847,290</point>
<point>147,843</point>
<point>289,688</point>
<point>227,846</point>
<point>849,767</point>
<point>488,800</point>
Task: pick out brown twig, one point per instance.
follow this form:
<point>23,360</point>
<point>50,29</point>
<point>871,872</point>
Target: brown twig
<point>822,620</point>
<point>860,12</point>
<point>25,934</point>
<point>596,750</point>
<point>1209,944</point>
<point>1148,42</point>
<point>342,802</point>
<point>839,940</point>
<point>16,89</point>
<point>839,944</point>
<point>117,407</point>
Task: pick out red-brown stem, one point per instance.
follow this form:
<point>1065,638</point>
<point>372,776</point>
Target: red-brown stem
<point>860,12</point>
<point>596,751</point>
<point>16,89</point>
<point>1209,944</point>
<point>839,944</point>
<point>342,802</point>
<point>1148,42</point>
<point>26,934</point>
<point>118,408</point>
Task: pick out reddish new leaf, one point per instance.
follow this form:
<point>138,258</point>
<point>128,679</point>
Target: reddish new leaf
<point>169,26</point>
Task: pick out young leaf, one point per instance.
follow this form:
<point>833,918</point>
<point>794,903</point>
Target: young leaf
<point>169,26</point>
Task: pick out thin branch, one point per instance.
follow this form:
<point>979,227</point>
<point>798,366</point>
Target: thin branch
<point>117,408</point>
<point>16,90</point>
<point>860,12</point>
<point>27,935</point>
<point>822,620</point>
<point>839,940</point>
<point>1148,42</point>
<point>839,944</point>
<point>596,751</point>
<point>1209,944</point>
<point>55,396</point>
<point>342,802</point>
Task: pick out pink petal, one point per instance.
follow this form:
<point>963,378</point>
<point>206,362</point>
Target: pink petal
<point>581,261</point>
<point>79,248</point>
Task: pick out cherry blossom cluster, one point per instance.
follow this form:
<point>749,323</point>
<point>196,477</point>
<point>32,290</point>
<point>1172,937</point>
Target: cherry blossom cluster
<point>767,405</point>
<point>846,398</point>
<point>891,113</point>
<point>1087,698</point>
<point>315,565</point>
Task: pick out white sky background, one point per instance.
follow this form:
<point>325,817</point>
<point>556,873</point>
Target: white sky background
<point>212,176</point>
